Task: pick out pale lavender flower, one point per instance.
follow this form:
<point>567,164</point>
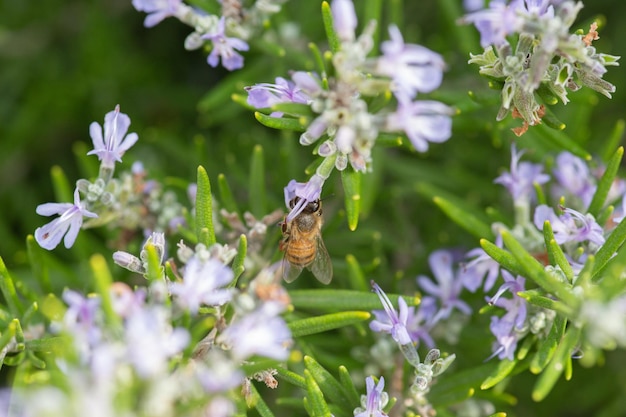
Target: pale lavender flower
<point>412,68</point>
<point>262,332</point>
<point>423,121</point>
<point>447,286</point>
<point>115,142</point>
<point>419,322</point>
<point>394,322</point>
<point>299,194</point>
<point>496,22</point>
<point>125,301</point>
<point>307,82</point>
<point>373,403</point>
<point>224,47</point>
<point>481,268</point>
<point>157,10</point>
<point>265,95</point>
<point>344,19</point>
<point>151,341</point>
<point>473,5</point>
<point>522,177</point>
<point>574,176</point>
<point>571,226</point>
<point>220,373</point>
<point>202,284</point>
<point>507,329</point>
<point>81,317</point>
<point>68,224</point>
<point>220,407</point>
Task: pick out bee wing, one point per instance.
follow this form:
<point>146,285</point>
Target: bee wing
<point>321,267</point>
<point>290,271</point>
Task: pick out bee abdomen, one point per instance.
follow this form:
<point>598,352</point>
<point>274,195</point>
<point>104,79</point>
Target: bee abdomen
<point>302,253</point>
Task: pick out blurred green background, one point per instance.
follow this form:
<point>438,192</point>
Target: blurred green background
<point>65,64</point>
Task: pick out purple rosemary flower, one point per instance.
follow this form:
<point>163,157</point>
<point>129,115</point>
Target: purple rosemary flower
<point>305,192</point>
<point>344,19</point>
<point>224,48</point>
<point>447,286</point>
<point>157,10</point>
<point>574,176</point>
<point>508,328</point>
<point>496,22</point>
<point>115,142</point>
<point>419,322</point>
<point>151,341</point>
<point>522,177</point>
<point>68,224</point>
<point>423,121</point>
<point>394,323</point>
<point>265,95</point>
<point>262,332</point>
<point>482,268</point>
<point>412,68</point>
<point>202,284</point>
<point>571,226</point>
<point>217,373</point>
<point>473,5</point>
<point>373,403</point>
<point>81,318</point>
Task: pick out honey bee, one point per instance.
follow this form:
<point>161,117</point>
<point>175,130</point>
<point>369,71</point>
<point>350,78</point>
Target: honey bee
<point>303,245</point>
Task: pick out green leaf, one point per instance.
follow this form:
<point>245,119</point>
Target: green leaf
<point>605,183</point>
<point>356,277</point>
<point>547,346</point>
<point>555,253</point>
<point>351,180</point>
<point>204,209</point>
<point>319,324</point>
<point>457,210</point>
<point>256,183</point>
<point>38,264</point>
<point>551,373</point>
<point>605,253</point>
<point>330,386</point>
<point>294,109</point>
<point>552,121</point>
<point>503,369</point>
<point>326,299</point>
<point>103,281</point>
<point>547,96</point>
<point>63,191</point>
<point>615,138</point>
<point>315,398</point>
<point>7,287</point>
<point>562,141</point>
<point>533,297</point>
<point>238,261</point>
<point>52,308</point>
<point>535,271</point>
<point>154,271</point>
<point>282,123</point>
<point>346,381</point>
<point>501,256</point>
<point>259,404</point>
<point>327,18</point>
<point>317,56</point>
<point>291,377</point>
<point>227,200</point>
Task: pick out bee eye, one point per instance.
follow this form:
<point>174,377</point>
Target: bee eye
<point>293,202</point>
<point>315,205</point>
